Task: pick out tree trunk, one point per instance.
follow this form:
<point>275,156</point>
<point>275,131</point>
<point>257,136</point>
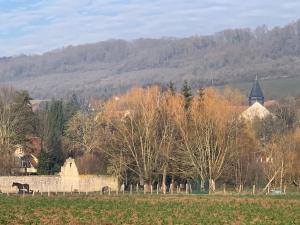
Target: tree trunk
<point>147,185</point>
<point>281,175</point>
<point>164,180</point>
<point>212,186</point>
<point>142,180</point>
<point>202,185</point>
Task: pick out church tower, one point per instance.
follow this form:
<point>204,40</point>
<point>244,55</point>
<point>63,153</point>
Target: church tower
<point>256,94</point>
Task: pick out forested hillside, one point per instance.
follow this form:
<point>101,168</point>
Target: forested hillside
<point>230,56</point>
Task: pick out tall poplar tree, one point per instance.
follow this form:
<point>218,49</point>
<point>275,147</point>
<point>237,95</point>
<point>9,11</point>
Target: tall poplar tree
<point>51,126</point>
<point>55,126</point>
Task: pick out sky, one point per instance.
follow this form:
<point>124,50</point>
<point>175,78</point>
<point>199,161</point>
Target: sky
<point>37,26</point>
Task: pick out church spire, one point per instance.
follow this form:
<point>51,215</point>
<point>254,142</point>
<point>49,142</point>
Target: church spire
<point>256,94</point>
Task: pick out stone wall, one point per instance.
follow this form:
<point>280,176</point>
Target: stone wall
<point>92,183</point>
<point>87,183</point>
<point>68,180</point>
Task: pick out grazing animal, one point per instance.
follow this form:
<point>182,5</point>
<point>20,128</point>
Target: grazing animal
<point>105,189</point>
<point>23,188</point>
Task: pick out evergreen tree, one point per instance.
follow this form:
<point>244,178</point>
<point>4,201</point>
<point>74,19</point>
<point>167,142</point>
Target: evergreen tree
<point>51,129</point>
<point>43,166</point>
<point>24,117</point>
<point>71,107</point>
<point>171,88</point>
<point>55,126</point>
<point>187,93</point>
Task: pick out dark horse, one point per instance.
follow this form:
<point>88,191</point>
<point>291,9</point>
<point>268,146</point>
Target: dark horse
<point>23,188</point>
<point>105,189</point>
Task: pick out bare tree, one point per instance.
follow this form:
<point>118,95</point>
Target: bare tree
<point>132,119</point>
<point>208,131</point>
<point>81,135</point>
<point>9,122</point>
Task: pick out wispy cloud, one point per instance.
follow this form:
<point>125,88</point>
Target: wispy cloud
<point>35,26</point>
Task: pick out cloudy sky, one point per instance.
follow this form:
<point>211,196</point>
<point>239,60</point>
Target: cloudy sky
<point>36,26</point>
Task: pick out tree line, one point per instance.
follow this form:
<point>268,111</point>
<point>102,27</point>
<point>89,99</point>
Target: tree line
<point>150,135</point>
<point>157,135</point>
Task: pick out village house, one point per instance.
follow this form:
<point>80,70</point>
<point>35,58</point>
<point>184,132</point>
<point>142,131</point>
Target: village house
<point>25,160</point>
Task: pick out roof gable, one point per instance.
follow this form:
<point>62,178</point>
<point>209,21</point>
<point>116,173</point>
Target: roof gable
<point>256,110</point>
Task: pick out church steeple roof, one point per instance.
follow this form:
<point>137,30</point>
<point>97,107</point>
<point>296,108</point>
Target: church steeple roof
<point>256,94</point>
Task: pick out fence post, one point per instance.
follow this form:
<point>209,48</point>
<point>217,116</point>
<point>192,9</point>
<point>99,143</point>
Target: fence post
<point>187,188</point>
<point>23,187</point>
<point>137,188</point>
<point>56,191</point>
<point>157,188</point>
<point>191,190</point>
<point>130,189</point>
<point>253,189</point>
<point>151,189</point>
<point>284,189</point>
<point>172,188</point>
